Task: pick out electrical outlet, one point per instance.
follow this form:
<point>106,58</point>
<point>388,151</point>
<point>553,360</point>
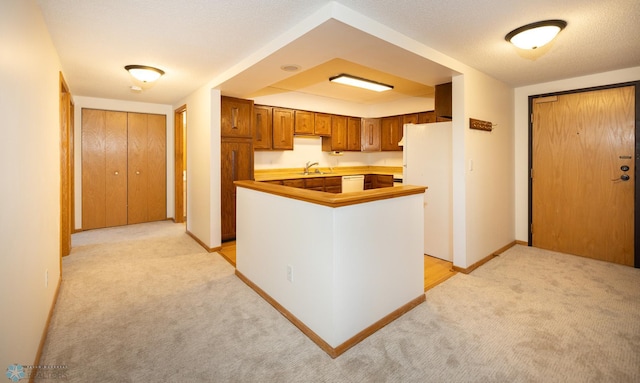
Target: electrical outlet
<point>289,273</point>
<point>46,278</point>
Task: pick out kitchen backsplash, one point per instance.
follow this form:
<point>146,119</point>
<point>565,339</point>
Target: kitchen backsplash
<point>310,149</point>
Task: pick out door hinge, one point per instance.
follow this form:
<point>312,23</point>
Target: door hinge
<point>531,118</point>
<point>531,228</point>
<point>531,173</point>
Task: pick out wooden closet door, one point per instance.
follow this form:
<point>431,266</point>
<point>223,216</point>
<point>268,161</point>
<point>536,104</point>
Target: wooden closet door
<point>156,167</point>
<point>115,168</point>
<point>93,169</point>
<point>137,167</point>
<point>147,168</point>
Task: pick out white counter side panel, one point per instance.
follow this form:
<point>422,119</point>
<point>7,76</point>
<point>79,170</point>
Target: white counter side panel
<point>275,232</point>
<point>379,261</point>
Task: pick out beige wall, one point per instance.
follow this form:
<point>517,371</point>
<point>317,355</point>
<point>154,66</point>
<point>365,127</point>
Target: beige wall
<point>30,192</point>
<point>521,101</point>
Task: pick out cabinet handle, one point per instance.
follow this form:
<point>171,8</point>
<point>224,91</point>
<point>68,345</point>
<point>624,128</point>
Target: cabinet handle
<point>234,118</point>
<point>234,172</point>
<point>259,127</point>
<point>116,173</point>
<point>138,172</point>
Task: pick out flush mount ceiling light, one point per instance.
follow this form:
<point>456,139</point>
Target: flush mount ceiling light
<point>535,35</point>
<point>360,82</point>
<point>146,74</point>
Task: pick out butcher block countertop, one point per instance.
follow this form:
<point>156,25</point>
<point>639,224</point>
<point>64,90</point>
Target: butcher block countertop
<point>332,199</point>
<point>293,173</point>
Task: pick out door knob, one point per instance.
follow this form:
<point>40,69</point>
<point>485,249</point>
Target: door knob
<point>137,171</point>
<point>624,168</point>
<point>116,173</point>
<point>625,177</point>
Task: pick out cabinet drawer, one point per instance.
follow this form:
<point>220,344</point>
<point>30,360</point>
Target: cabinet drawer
<point>294,183</point>
<point>311,183</point>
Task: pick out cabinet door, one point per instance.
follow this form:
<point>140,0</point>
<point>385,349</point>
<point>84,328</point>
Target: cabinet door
<point>391,133</point>
<point>283,120</point>
<point>410,118</point>
<point>370,133</point>
<point>305,122</point>
<point>322,124</point>
<point>235,116</point>
<point>353,134</point>
<point>338,133</point>
<point>426,117</point>
<point>236,162</point>
<point>443,102</point>
<point>263,128</point>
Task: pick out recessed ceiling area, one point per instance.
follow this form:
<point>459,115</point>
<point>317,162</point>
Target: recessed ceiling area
<point>315,81</point>
<point>333,48</point>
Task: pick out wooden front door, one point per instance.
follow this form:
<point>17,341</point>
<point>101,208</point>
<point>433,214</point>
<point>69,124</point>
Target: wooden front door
<point>582,196</point>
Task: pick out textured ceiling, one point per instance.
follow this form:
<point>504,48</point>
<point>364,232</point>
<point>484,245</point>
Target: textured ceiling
<point>195,41</point>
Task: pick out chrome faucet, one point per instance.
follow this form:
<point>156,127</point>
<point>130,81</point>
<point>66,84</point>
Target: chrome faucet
<point>309,164</point>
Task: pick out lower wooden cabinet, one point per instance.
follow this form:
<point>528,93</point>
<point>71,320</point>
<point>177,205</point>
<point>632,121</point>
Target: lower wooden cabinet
<point>236,163</point>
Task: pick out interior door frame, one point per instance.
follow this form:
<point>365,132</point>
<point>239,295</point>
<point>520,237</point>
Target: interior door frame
<point>66,175</point>
<point>180,166</point>
<point>636,219</point>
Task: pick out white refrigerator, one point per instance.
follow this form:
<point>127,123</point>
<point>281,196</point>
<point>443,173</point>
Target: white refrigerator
<point>427,161</point>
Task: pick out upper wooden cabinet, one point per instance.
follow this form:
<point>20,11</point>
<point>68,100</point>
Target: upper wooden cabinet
<point>236,117</point>
<point>390,133</point>
<point>410,118</point>
<point>353,134</point>
<point>338,133</point>
<point>427,117</point>
<point>370,134</point>
<point>283,120</point>
<point>263,129</point>
<point>322,124</point>
<point>305,122</point>
<point>443,102</point>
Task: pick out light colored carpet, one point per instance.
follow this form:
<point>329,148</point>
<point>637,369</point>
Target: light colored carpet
<point>145,303</point>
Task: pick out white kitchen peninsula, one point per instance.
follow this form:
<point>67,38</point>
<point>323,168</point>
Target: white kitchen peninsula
<point>338,266</point>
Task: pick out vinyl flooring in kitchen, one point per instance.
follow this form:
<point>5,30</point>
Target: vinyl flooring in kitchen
<point>436,270</point>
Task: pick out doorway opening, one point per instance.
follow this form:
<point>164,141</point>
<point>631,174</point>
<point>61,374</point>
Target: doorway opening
<point>181,164</point>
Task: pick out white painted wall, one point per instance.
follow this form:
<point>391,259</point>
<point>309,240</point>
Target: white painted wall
<point>122,106</point>
<point>521,120</point>
<point>338,257</point>
<point>203,164</point>
<point>30,196</point>
<point>489,191</point>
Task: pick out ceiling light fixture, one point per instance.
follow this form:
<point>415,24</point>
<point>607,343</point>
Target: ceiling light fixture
<point>535,35</point>
<point>360,82</point>
<point>146,74</point>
